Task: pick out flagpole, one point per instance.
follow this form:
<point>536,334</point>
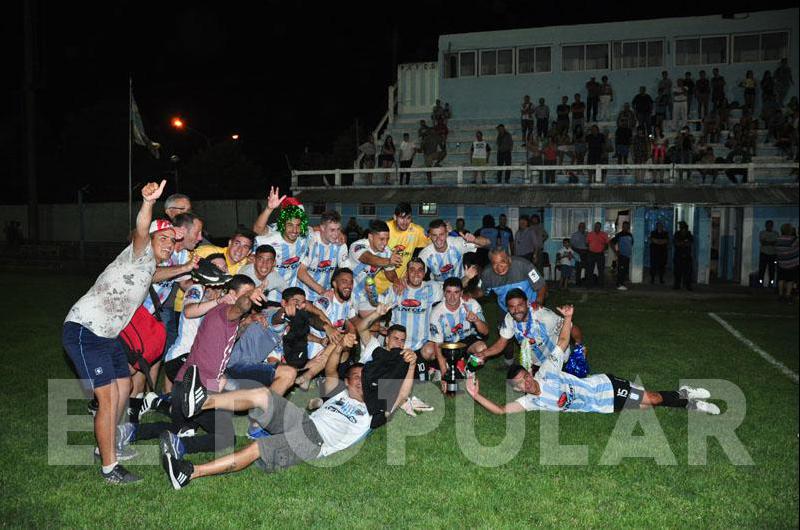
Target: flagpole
<point>130,153</point>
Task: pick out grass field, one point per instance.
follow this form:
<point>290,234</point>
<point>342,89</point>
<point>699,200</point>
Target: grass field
<point>657,338</point>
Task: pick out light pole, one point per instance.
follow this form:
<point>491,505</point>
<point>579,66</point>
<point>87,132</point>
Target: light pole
<point>179,124</point>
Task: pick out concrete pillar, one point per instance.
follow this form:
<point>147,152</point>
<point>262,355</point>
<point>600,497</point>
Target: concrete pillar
<point>702,243</point>
<point>746,242</point>
<point>638,229</point>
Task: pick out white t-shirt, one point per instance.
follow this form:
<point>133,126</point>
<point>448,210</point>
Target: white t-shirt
<point>566,256</point>
<point>413,310</point>
<point>108,306</point>
<point>187,327</point>
<point>447,264</point>
<point>287,255</point>
<point>480,150</point>
<point>275,282</point>
<point>541,329</point>
<point>407,150</point>
<point>321,259</point>
<point>453,326</point>
<point>341,422</point>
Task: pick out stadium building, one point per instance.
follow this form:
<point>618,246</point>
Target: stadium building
<point>484,76</point>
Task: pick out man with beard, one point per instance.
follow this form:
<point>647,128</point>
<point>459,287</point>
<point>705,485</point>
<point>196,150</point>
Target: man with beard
<point>444,256</point>
<point>326,252</point>
<point>368,257</point>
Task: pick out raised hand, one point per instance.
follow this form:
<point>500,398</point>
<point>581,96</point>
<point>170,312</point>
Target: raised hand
<point>274,199</point>
<point>257,297</point>
<point>469,238</point>
<point>473,386</point>
<point>471,317</point>
<point>228,298</point>
<point>349,340</point>
<point>396,260</point>
<point>152,191</point>
<point>409,356</point>
<point>471,272</point>
<point>567,310</point>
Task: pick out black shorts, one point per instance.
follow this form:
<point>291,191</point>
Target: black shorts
<point>172,366</point>
<point>787,275</point>
<point>626,394</point>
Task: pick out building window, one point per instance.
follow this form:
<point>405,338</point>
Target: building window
<point>638,54</point>
<point>566,220</point>
<point>318,208</point>
<point>428,208</point>
<point>533,60</point>
<point>366,209</point>
<point>450,65</point>
<point>701,50</point>
<point>760,47</point>
<point>579,57</point>
<point>466,64</point>
<point>497,62</point>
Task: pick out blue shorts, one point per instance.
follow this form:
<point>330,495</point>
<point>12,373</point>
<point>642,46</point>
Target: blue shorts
<point>97,360</point>
<point>248,374</point>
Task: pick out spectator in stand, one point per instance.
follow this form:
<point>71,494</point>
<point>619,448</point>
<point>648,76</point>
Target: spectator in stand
<point>688,84</point>
<point>534,158</point>
<point>461,227</point>
<point>505,145</point>
<point>505,237</point>
<point>702,91</point>
<point>643,106</point>
<point>717,88</point>
<point>749,86</point>
<point>578,242</point>
<point>623,247</point>
<point>352,231</point>
<point>659,239</point>
<point>448,113</point>
<point>578,109</point>
<point>579,146</point>
<point>660,143</point>
<point>592,99</point>
<point>680,105</point>
<point>423,130</point>
<point>562,114</point>
<point>606,97</point>
<point>783,80</point>
<point>595,146</point>
<point>386,157</point>
<point>523,242</point>
<point>767,87</point>
<point>641,152</point>
<point>787,139</point>
<point>724,112</point>
<point>665,92</point>
<point>441,129</point>
<point>526,118</point>
<point>597,243</point>
<point>626,116</point>
<point>772,115</point>
<point>766,253</point>
<point>479,156</point>
<point>368,151</point>
<point>737,155</point>
<point>408,150</point>
<point>684,151</point>
<point>682,257</point>
<point>662,102</point>
<point>538,235</point>
<point>711,128</point>
<point>708,157</point>
<point>566,263</point>
<point>550,158</point>
<point>564,147</point>
<point>622,143</point>
<point>786,254</point>
<point>438,112</point>
<point>542,115</point>
<point>432,150</point>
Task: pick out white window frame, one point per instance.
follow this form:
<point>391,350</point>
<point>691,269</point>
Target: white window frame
<point>434,212</point>
<point>562,217</point>
<point>367,209</point>
<point>584,45</point>
<point>496,63</point>
<point>760,35</point>
<point>533,47</point>
<point>622,43</point>
<point>728,54</point>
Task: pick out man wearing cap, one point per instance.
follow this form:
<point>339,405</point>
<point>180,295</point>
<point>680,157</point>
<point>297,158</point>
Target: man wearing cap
<point>406,238</point>
<point>93,325</point>
<point>505,144</point>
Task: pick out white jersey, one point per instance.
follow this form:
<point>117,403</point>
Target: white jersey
<point>337,312</point>
<point>413,308</point>
<point>541,329</point>
<point>480,150</point>
<point>275,282</point>
<point>453,326</point>
<point>164,288</point>
<point>368,349</point>
<point>187,327</point>
<point>361,270</point>
<point>287,255</point>
<point>563,392</point>
<point>321,259</point>
<point>447,264</point>
<point>341,422</point>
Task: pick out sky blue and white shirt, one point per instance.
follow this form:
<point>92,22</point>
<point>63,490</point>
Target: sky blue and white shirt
<point>362,270</point>
<point>287,255</point>
<point>540,328</point>
<point>447,264</point>
<point>337,312</point>
<point>413,308</point>
<point>453,326</point>
<point>162,289</point>
<point>321,259</point>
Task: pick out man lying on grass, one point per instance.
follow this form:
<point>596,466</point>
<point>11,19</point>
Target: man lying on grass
<point>296,436</point>
<point>548,388</point>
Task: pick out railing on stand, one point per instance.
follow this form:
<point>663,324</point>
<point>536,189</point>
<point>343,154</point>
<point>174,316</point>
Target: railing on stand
<point>385,121</point>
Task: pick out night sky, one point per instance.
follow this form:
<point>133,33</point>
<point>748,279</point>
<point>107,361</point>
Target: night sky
<point>286,76</point>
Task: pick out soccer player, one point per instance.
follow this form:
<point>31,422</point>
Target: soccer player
<point>236,252</point>
<point>290,241</point>
<point>368,257</point>
<point>548,388</point>
<point>532,324</point>
<point>326,252</point>
<point>405,237</point>
<point>444,256</point>
<point>93,325</point>
<point>262,272</point>
<point>507,273</point>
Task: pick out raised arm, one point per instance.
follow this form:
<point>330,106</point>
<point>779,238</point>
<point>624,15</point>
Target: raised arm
<point>405,389</point>
<point>243,304</point>
<point>274,201</point>
<point>473,389</point>
<point>363,328</point>
<point>478,241</point>
<point>495,349</point>
<point>141,236</point>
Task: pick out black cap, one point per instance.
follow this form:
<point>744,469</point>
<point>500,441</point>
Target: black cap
<point>209,274</point>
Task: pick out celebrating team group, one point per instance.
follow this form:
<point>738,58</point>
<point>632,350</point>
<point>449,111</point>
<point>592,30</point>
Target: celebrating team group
<point>288,305</point>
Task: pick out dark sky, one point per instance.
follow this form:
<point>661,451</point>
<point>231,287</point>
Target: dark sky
<point>285,75</point>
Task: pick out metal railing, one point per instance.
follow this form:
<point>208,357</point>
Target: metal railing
<point>548,175</point>
<point>385,121</point>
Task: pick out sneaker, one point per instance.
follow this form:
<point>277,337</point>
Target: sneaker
<point>194,393</point>
<point>126,433</point>
<point>186,432</point>
<point>622,288</point>
<point>688,392</point>
<point>314,404</point>
<point>407,408</point>
<point>703,406</point>
<point>179,472</point>
<point>256,431</point>
<point>124,452</point>
<point>169,443</point>
<point>119,475</point>
<point>150,401</point>
<point>418,405</point>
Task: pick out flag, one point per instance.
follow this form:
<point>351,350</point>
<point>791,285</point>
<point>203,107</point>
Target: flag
<point>139,135</point>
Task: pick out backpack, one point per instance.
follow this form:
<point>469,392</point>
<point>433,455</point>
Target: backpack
<point>144,338</point>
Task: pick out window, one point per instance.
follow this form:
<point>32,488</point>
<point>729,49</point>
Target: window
<point>497,62</point>
<point>705,50</point>
<point>450,65</point>
<point>760,47</point>
<point>579,57</point>
<point>566,220</point>
<point>466,64</point>
<point>428,208</point>
<point>638,54</point>
<point>366,209</point>
<point>533,60</point>
<point>318,208</point>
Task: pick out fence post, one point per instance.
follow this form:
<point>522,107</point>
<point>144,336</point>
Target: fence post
<point>460,176</point>
<point>391,105</point>
<point>751,174</point>
<point>598,173</point>
<point>294,178</point>
<point>527,173</point>
<point>672,174</point>
<point>337,177</point>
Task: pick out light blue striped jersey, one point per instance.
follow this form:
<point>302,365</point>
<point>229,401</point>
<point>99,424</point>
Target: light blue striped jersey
<point>413,308</point>
<point>321,259</point>
<point>287,255</point>
<point>163,289</point>
<point>187,327</point>
<point>453,326</point>
<point>540,328</point>
<point>447,264</point>
<point>337,312</point>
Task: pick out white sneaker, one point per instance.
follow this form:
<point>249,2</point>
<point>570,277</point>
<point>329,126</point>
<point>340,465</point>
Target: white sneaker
<point>418,405</point>
<point>688,392</point>
<point>703,406</point>
<point>407,408</point>
<point>622,288</point>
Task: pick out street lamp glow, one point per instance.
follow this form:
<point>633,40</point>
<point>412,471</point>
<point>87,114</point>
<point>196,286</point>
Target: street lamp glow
<point>177,123</point>
<point>234,137</point>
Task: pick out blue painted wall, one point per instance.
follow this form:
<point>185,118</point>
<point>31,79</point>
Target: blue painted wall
<point>779,215</point>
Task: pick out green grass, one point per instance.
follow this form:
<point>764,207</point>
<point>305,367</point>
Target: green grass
<point>659,339</point>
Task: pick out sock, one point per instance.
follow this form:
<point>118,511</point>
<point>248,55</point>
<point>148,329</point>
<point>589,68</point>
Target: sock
<point>140,395</point>
<point>671,398</point>
<point>109,468</point>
